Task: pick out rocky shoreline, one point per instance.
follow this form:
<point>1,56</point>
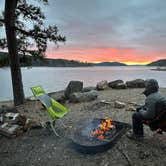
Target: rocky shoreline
<point>10,126</point>
<point>41,147</point>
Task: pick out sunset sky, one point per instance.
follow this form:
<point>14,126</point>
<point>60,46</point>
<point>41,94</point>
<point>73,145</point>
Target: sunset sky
<point>129,31</point>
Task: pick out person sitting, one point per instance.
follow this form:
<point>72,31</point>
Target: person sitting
<point>147,111</point>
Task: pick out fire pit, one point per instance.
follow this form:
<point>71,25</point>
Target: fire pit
<point>98,135</point>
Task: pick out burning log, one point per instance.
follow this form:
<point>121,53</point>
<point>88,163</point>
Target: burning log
<point>104,129</point>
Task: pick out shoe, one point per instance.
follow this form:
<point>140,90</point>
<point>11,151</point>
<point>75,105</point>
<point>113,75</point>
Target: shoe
<point>133,136</point>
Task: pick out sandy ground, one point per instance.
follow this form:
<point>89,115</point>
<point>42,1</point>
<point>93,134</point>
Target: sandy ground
<point>39,147</point>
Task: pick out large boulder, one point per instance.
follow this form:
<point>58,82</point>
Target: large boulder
<point>121,86</point>
<point>58,96</point>
<point>73,86</point>
<point>83,97</point>
<point>102,85</point>
<point>117,84</point>
<point>87,89</point>
<point>113,84</point>
<point>138,83</point>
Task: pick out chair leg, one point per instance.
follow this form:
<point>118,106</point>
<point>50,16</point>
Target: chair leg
<point>62,123</point>
<point>158,131</point>
<point>53,129</point>
<point>52,123</point>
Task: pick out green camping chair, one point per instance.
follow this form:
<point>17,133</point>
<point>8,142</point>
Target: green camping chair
<point>55,109</point>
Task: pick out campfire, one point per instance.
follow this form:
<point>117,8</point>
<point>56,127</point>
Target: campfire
<point>97,135</point>
<point>104,129</point>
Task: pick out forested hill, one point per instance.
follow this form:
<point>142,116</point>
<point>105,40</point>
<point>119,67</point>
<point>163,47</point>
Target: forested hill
<point>161,62</point>
<point>110,64</point>
<point>36,61</point>
<point>58,63</point>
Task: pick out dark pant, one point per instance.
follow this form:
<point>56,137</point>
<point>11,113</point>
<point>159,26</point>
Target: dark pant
<point>137,120</point>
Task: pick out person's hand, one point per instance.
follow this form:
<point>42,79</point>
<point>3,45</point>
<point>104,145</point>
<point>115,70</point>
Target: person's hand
<point>138,108</point>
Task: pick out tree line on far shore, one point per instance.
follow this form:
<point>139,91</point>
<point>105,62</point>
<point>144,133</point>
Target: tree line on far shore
<point>40,61</point>
<point>35,61</point>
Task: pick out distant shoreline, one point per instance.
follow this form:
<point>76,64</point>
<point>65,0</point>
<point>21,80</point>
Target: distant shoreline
<point>159,69</point>
<point>93,65</point>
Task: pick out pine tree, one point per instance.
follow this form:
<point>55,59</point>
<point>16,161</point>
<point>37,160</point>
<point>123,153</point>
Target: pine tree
<point>20,39</point>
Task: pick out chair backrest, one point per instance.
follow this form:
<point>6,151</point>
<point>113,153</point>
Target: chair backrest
<point>37,91</point>
<point>45,100</point>
<point>161,115</point>
<point>160,107</point>
<point>55,109</point>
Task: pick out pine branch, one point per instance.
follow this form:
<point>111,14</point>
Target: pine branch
<point>39,34</point>
<point>28,11</point>
<point>2,20</point>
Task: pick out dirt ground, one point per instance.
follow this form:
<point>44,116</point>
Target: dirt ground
<point>40,147</point>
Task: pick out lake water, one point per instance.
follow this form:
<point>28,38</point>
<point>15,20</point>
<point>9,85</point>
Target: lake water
<point>54,79</point>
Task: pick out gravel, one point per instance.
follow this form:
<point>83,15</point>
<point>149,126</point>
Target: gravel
<point>40,147</point>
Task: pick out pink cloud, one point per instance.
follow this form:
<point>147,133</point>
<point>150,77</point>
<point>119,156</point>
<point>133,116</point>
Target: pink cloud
<point>104,54</point>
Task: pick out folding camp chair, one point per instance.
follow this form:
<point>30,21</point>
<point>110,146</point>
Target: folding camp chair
<point>158,124</point>
<point>55,109</point>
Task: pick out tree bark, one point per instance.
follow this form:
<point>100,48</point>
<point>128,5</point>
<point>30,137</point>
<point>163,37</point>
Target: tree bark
<point>10,18</point>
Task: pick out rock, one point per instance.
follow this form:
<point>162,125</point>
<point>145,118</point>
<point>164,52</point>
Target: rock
<point>1,118</point>
<point>102,85</point>
<point>87,89</point>
<point>15,118</point>
<point>12,117</point>
<point>113,84</point>
<point>121,86</point>
<point>83,97</point>
<point>144,154</point>
<point>131,108</point>
<point>132,103</point>
<point>61,99</point>
<point>31,124</point>
<point>99,105</point>
<point>10,130</point>
<point>138,83</point>
<point>73,86</point>
<point>1,110</point>
<point>119,104</point>
<point>58,96</point>
<point>105,102</point>
<point>106,164</point>
<point>5,109</point>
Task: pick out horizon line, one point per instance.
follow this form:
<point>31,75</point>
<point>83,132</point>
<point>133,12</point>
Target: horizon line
<point>130,63</point>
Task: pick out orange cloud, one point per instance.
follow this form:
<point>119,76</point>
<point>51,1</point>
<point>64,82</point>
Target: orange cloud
<point>128,56</point>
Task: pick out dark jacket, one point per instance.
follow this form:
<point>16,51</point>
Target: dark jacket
<point>148,111</point>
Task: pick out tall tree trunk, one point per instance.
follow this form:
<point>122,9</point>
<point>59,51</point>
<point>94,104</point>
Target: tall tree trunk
<point>10,18</point>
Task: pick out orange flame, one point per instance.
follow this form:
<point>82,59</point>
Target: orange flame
<point>106,125</point>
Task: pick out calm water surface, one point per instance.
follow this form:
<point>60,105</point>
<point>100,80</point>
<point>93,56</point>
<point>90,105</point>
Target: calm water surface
<point>54,79</point>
